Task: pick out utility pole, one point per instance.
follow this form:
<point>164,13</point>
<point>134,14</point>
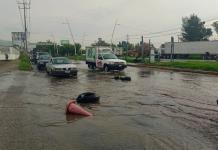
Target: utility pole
<point>149,49</point>
<point>55,45</point>
<point>178,38</point>
<point>83,41</point>
<point>142,46</point>
<point>127,45</point>
<point>25,6</point>
<point>172,49</point>
<point>71,33</point>
<point>115,25</point>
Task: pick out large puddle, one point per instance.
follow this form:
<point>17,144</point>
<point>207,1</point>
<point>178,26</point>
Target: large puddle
<point>156,110</point>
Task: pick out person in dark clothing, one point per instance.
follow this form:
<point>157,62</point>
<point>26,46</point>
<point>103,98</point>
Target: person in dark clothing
<point>6,56</point>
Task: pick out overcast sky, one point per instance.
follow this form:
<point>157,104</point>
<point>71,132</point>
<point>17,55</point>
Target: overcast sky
<point>96,18</point>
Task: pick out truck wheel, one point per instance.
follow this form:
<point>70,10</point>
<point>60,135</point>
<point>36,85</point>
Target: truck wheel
<point>93,67</point>
<point>106,69</point>
<point>48,73</point>
<point>39,68</point>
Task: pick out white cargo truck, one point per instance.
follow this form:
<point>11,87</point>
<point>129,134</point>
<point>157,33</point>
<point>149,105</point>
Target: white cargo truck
<point>103,58</point>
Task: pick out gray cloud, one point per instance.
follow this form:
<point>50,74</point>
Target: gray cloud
<point>96,18</point>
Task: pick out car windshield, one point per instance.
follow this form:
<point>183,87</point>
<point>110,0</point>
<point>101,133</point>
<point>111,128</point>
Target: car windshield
<point>105,50</point>
<point>109,56</point>
<point>61,61</point>
<point>44,57</point>
<point>43,53</point>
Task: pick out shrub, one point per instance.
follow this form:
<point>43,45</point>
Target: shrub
<point>24,64</point>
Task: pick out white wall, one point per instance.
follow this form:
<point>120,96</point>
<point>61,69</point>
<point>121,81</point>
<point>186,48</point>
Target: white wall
<point>193,47</point>
<point>13,54</point>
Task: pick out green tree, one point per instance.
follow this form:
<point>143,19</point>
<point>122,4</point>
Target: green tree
<point>215,25</point>
<point>124,45</point>
<point>193,29</point>
<point>68,49</point>
<point>101,43</point>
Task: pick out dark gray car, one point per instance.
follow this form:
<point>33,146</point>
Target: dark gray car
<point>42,61</point>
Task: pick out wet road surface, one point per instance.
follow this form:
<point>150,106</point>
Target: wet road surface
<point>7,66</point>
<point>157,110</point>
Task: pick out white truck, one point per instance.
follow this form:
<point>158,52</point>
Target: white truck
<point>103,58</point>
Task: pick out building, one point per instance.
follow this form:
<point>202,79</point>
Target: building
<point>11,52</point>
<point>185,50</point>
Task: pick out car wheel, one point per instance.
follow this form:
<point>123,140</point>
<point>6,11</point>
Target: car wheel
<point>47,71</point>
<point>39,68</point>
<point>106,69</point>
<point>89,66</point>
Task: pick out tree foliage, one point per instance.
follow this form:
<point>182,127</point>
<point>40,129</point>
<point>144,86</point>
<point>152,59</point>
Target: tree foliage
<point>215,25</point>
<point>58,50</point>
<point>100,42</point>
<point>124,45</point>
<point>193,29</point>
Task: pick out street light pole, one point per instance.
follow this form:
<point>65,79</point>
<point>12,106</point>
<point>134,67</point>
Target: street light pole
<point>71,33</point>
<point>115,25</point>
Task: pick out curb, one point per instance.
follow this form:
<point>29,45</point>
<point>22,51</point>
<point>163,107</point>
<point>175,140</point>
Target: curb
<point>175,69</point>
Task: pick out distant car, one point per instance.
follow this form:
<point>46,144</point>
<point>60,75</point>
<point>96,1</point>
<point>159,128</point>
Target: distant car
<point>61,66</point>
<point>38,54</point>
<point>42,61</point>
<point>216,57</point>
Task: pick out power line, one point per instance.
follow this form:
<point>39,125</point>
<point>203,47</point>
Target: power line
<point>29,16</point>
<point>172,29</point>
<point>25,6</point>
<point>159,32</point>
<point>21,18</point>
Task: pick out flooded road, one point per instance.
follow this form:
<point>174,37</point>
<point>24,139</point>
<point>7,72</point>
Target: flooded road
<point>157,110</point>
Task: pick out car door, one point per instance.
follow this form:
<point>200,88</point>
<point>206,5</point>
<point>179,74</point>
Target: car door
<point>99,62</point>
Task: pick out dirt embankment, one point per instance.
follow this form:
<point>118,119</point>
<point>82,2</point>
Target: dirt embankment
<point>7,66</point>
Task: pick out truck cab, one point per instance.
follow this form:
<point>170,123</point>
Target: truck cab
<point>104,58</point>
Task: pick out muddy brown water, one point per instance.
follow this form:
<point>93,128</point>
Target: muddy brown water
<point>157,110</point>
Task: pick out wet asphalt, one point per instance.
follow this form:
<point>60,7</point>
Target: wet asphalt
<point>157,110</point>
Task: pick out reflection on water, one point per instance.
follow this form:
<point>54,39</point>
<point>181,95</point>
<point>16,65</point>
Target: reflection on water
<point>157,110</point>
<point>73,118</point>
<point>145,73</point>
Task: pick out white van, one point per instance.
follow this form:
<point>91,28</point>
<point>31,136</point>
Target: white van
<point>103,58</point>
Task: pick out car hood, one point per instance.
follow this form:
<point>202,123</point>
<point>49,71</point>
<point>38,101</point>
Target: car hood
<point>116,60</point>
<point>43,60</point>
<point>64,66</point>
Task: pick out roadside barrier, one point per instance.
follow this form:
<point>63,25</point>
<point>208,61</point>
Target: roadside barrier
<point>74,109</point>
<point>122,78</point>
<point>88,97</point>
<point>116,78</point>
<point>125,78</point>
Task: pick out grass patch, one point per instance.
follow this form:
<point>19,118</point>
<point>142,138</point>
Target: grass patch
<point>78,57</point>
<point>130,59</point>
<point>195,65</point>
<point>24,62</point>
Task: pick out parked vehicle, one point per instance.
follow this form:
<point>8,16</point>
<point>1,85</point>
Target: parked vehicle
<point>61,66</point>
<point>42,61</point>
<point>104,58</point>
<point>36,56</point>
<point>216,57</point>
